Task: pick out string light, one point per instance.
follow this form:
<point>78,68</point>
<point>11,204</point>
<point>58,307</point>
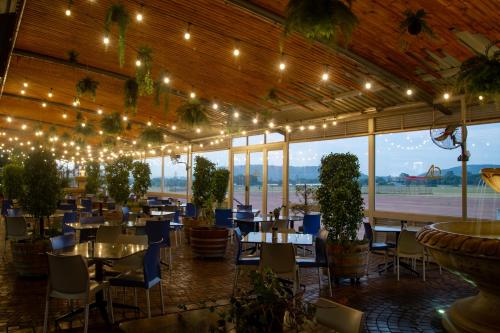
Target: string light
<point>192,94</point>
<point>50,94</point>
<point>174,127</point>
<point>23,91</point>
<point>334,122</point>
<point>83,125</point>
<point>409,92</point>
<point>166,79</point>
<point>99,111</point>
<point>198,130</point>
<point>255,120</point>
<point>368,85</point>
<point>44,104</point>
<point>9,119</point>
<point>187,33</point>
<point>271,124</point>
<point>282,64</point>
<point>101,132</point>
<point>325,75</point>
<point>312,127</point>
<point>138,63</point>
<point>23,127</point>
<point>149,123</point>
<point>125,118</point>
<point>68,12</point>
<point>324,125</point>
<point>215,106</point>
<point>302,128</point>
<point>481,97</point>
<point>64,115</point>
<point>25,84</point>
<point>105,40</point>
<point>288,128</point>
<point>446,95</point>
<point>139,17</point>
<point>236,114</point>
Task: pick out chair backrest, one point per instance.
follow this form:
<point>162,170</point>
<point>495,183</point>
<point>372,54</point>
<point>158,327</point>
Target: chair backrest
<point>6,204</point>
<point>15,226</point>
<point>247,227</point>
<point>12,212</point>
<point>132,239</point>
<point>244,215</point>
<point>108,233</point>
<point>70,217</point>
<point>190,210</point>
<point>87,204</point>
<point>279,257</point>
<point>407,243</point>
<point>152,269</point>
<point>339,317</point>
<point>158,231</point>
<point>68,275</point>
<point>62,241</point>
<point>312,224</point>
<point>222,218</point>
<point>244,208</point>
<point>92,219</point>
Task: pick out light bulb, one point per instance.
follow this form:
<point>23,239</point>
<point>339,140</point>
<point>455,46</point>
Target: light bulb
<point>324,77</point>
<point>138,17</point>
<point>25,84</point>
<point>481,97</point>
<point>236,52</point>
<point>236,114</point>
<point>174,127</point>
<point>149,123</point>
<point>187,35</point>
<point>166,80</point>
<point>105,40</point>
<point>64,115</point>
<point>368,85</point>
<point>288,128</point>
<point>198,130</point>
<point>334,123</point>
<point>23,92</point>
<point>271,124</point>
<point>9,119</point>
<point>192,94</point>
<point>409,92</point>
<point>134,142</point>
<point>255,120</point>
<point>24,127</point>
<point>44,104</point>
<point>101,132</point>
<point>282,66</point>
<point>125,118</point>
<point>118,138</point>
<point>221,132</point>
<point>312,127</point>
<point>215,106</point>
<point>83,124</point>
<point>50,94</point>
<point>324,125</point>
<point>138,63</point>
<point>302,127</point>
<point>99,111</point>
<point>68,12</point>
<point>446,96</point>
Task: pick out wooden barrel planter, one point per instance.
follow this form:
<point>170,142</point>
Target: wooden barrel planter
<point>209,242</point>
<point>348,261</point>
<point>29,258</point>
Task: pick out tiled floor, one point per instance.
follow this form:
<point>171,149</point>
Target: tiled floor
<point>409,305</point>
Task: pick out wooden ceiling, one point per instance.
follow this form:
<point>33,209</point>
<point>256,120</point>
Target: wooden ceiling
<point>378,53</point>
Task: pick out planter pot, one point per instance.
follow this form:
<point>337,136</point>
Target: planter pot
<point>29,258</point>
<point>188,223</point>
<point>209,242</point>
<point>348,260</point>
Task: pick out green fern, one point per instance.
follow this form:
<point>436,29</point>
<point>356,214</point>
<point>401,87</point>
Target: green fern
<point>87,87</point>
<point>152,136</point>
<point>143,72</point>
<point>86,130</point>
<point>112,124</point>
<point>192,113</point>
<point>118,14</point>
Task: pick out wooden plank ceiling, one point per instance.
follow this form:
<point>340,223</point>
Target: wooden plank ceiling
<point>205,63</point>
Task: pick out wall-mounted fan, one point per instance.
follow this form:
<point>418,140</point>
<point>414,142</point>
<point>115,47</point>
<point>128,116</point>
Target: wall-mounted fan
<point>451,137</point>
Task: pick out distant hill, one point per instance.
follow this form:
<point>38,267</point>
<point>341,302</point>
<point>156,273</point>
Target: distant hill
<point>471,168</point>
<point>295,173</point>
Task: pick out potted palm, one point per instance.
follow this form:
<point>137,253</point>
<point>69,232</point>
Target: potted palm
<point>206,239</point>
<point>341,205</point>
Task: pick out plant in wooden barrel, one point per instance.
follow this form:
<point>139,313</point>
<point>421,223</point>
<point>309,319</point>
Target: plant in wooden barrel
<point>206,240</point>
<point>341,205</point>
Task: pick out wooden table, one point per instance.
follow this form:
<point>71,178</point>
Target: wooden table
<point>99,253</point>
<point>283,238</point>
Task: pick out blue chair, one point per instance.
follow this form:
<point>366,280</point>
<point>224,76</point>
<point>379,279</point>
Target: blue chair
<point>65,206</point>
<point>69,217</point>
<point>244,208</point>
<point>150,277</point>
<point>376,248</point>
<point>62,241</point>
<point>87,205</point>
<point>126,213</point>
<point>244,226</point>
<point>6,204</point>
<point>158,231</point>
<point>241,259</point>
<point>312,224</point>
<point>176,216</point>
<point>190,210</point>
<point>223,218</point>
<point>13,212</point>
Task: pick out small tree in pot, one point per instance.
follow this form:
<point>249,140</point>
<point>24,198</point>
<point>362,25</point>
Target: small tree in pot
<point>341,205</point>
<point>220,181</point>
<point>12,176</point>
<point>117,179</point>
<point>93,182</point>
<point>141,172</point>
<point>202,186</point>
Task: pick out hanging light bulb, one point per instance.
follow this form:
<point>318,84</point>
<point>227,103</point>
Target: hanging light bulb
<point>187,33</point>
<point>23,127</point>
<point>99,111</point>
<point>149,123</point>
<point>236,114</point>
<point>302,127</point>
<point>138,63</point>
<point>324,125</point>
<point>236,52</point>
<point>83,125</point>
<point>44,104</point>
<point>125,118</point>
<point>139,17</point>
<point>105,40</point>
<point>166,79</point>
<point>25,84</point>
<point>64,115</point>
<point>255,120</point>
<point>174,127</point>
<point>446,95</point>
<point>23,91</point>
<point>334,122</point>
<point>271,124</point>
<point>325,75</point>
<point>282,64</point>
<point>192,94</point>
<point>312,127</point>
<point>368,85</point>
<point>409,92</point>
<point>481,97</point>
<point>101,132</point>
<point>198,130</point>
<point>288,128</point>
<point>50,94</point>
<point>215,106</point>
<point>68,11</point>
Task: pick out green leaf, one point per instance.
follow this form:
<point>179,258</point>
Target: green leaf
<point>118,14</point>
<point>192,113</point>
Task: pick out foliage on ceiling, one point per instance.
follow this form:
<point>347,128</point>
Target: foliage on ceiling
<point>480,75</point>
<point>131,91</point>
<point>118,14</point>
<point>415,23</point>
<point>112,123</point>
<point>321,19</point>
<point>87,87</point>
<point>150,135</point>
<point>143,70</point>
<point>85,129</point>
<point>192,113</point>
<point>72,56</point>
<point>161,89</point>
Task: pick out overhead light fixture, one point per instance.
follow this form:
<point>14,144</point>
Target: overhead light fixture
<point>50,94</point>
<point>192,94</point>
<point>138,63</point>
<point>215,106</point>
<point>23,127</point>
<point>67,12</point>
<point>125,118</point>
<point>187,33</point>
<point>44,104</point>
<point>368,85</point>
<point>481,97</point>
<point>198,130</point>
<point>25,84</point>
<point>334,122</point>
<point>64,115</point>
<point>9,119</point>
<point>271,124</point>
<point>23,91</point>
<point>174,127</point>
<point>99,111</point>
<point>409,92</point>
<point>105,40</point>
<point>236,114</point>
<point>302,127</point>
<point>166,79</point>
<point>255,120</point>
<point>446,95</point>
<point>139,17</point>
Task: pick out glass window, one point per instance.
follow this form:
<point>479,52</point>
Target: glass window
<point>155,166</point>
<point>274,179</point>
<point>175,175</point>
<point>239,172</point>
<point>413,175</point>
<point>219,157</point>
<point>484,147</point>
<point>305,160</point>
<point>256,139</point>
<point>240,142</point>
<point>274,137</point>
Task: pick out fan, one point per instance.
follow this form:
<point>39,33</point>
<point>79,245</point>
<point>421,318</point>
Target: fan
<point>451,137</point>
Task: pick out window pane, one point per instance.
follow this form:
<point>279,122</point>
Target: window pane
<point>274,179</point>
<point>256,179</point>
<point>484,147</point>
<point>256,139</point>
<point>175,175</point>
<point>239,172</point>
<point>275,137</point>
<point>155,166</point>
<point>305,160</point>
<point>239,142</point>
<point>404,181</point>
<point>219,157</point>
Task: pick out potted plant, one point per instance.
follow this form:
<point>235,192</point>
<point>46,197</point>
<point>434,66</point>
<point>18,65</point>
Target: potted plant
<point>220,182</point>
<point>117,179</point>
<point>42,192</point>
<point>308,202</point>
<point>12,176</point>
<point>341,205</point>
<point>206,240</point>
<point>141,172</point>
<point>93,174</point>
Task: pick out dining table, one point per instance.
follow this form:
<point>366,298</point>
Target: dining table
<point>258,237</point>
<point>175,226</point>
<point>99,253</point>
<point>266,218</point>
<point>255,211</point>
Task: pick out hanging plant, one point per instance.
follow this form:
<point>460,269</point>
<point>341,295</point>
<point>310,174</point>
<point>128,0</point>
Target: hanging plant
<point>152,136</point>
<point>131,94</point>
<point>162,90</point>
<point>129,126</point>
<point>415,23</point>
<point>143,71</point>
<point>109,142</point>
<point>79,116</point>
<point>73,56</point>
<point>85,129</point>
<point>480,75</point>
<point>192,113</point>
<point>272,96</point>
<point>65,137</point>
<point>320,20</point>
<point>87,87</point>
<point>112,123</point>
<point>117,14</point>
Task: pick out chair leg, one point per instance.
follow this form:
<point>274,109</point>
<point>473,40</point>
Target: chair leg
<point>161,299</point>
<point>319,280</point>
<point>46,315</point>
<point>149,304</point>
<point>398,266</point>
<point>329,281</point>
<point>236,273</point>
<point>86,322</point>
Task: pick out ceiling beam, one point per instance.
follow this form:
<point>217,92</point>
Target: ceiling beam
<point>371,67</point>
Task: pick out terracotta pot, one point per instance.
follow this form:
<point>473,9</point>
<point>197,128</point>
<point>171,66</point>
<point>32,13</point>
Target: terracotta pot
<point>347,260</point>
<point>188,223</point>
<point>209,242</point>
<point>29,257</point>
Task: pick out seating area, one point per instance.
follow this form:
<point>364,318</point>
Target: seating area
<point>249,166</point>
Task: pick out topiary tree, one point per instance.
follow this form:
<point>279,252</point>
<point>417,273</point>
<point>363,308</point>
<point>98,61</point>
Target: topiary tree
<point>202,184</point>
<point>13,181</point>
<point>339,196</point>
<point>220,181</point>
<point>141,173</point>
<point>117,179</point>
<point>42,186</point>
<point>94,181</point>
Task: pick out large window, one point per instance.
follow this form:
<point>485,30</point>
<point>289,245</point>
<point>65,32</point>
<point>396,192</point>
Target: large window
<point>175,175</point>
<point>484,147</point>
<point>155,166</point>
<point>305,160</point>
<point>413,175</point>
<point>274,179</point>
<point>219,158</point>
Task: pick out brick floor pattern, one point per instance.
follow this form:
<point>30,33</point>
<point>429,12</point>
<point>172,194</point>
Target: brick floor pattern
<point>409,305</point>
